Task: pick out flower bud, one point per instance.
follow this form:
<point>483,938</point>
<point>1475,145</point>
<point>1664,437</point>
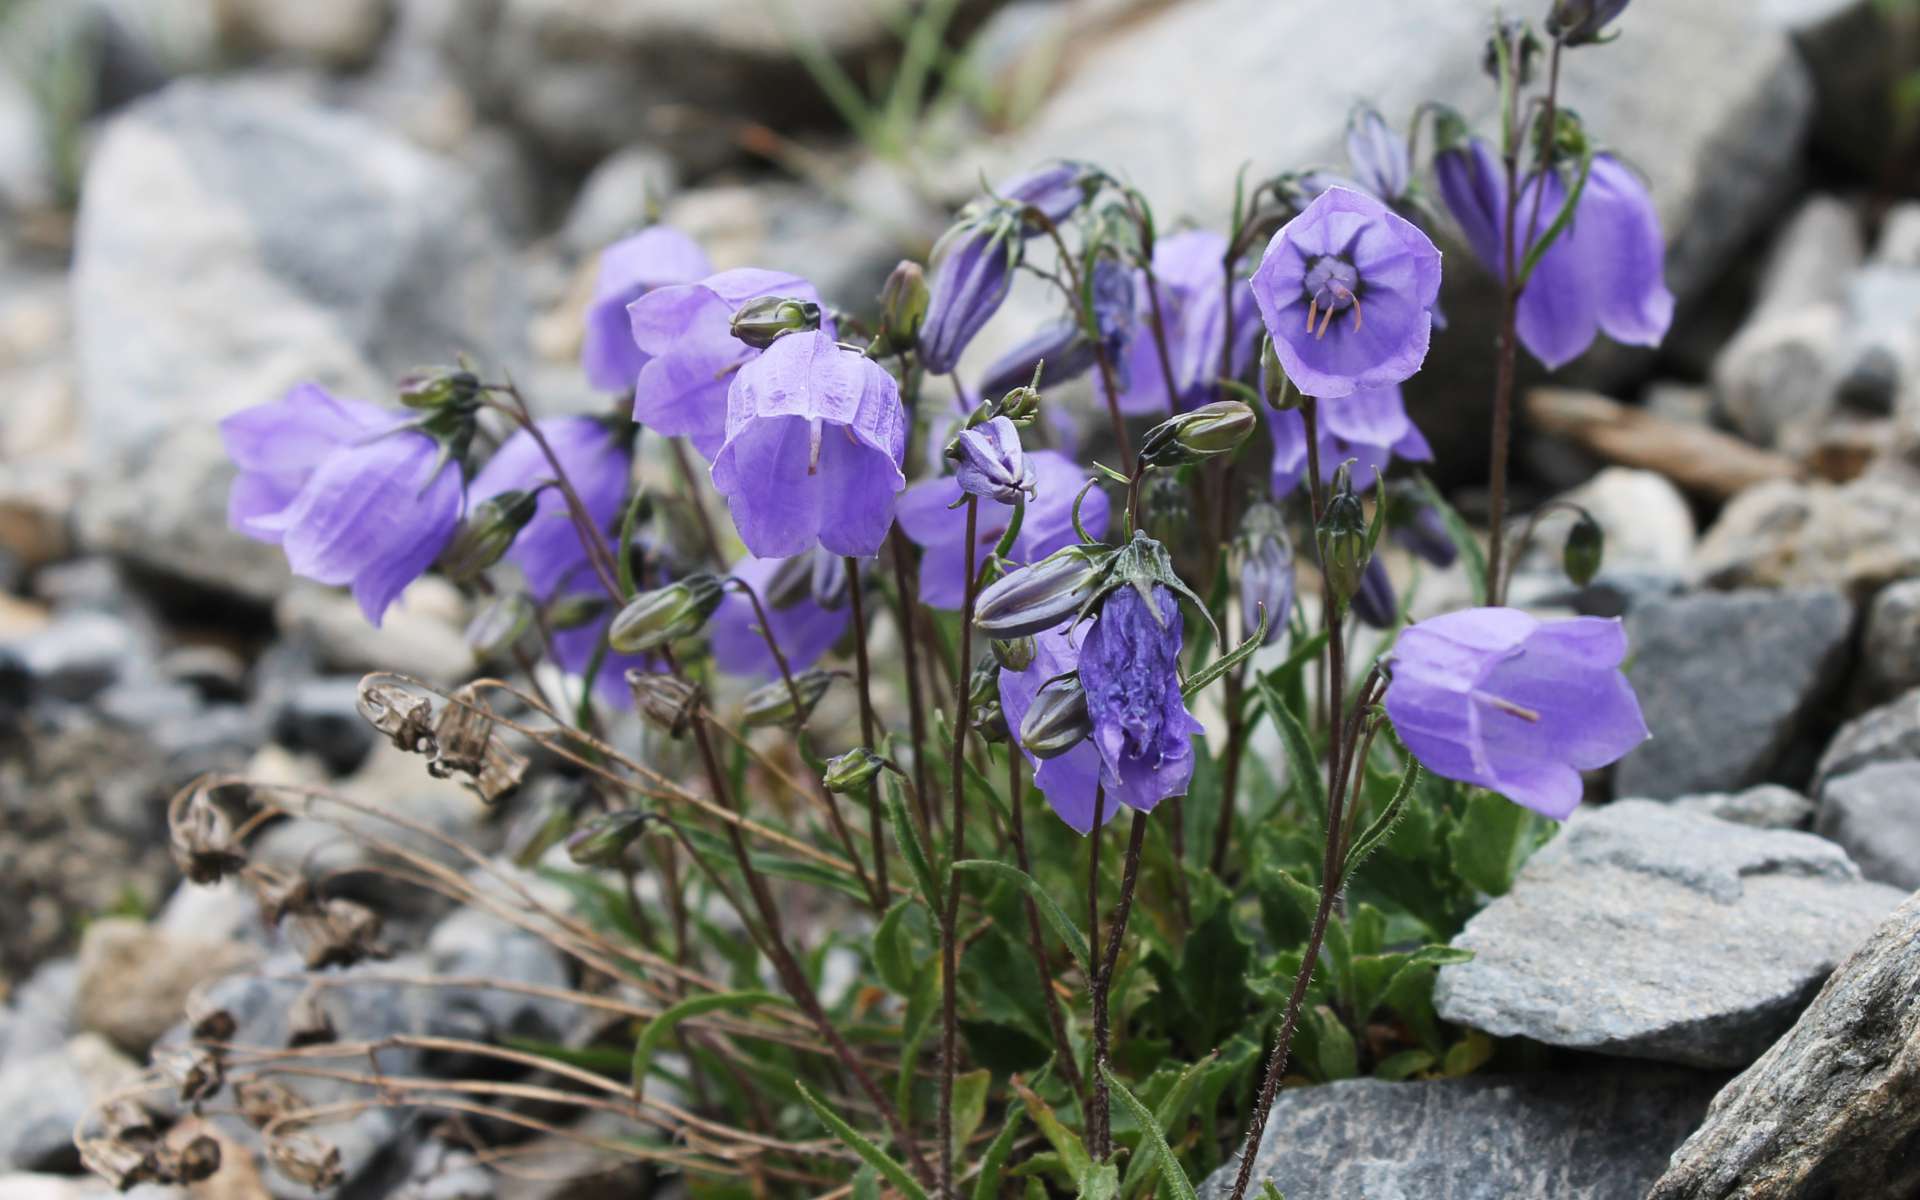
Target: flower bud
<point>653,619</point>
<point>488,533</point>
<point>984,683</point>
<point>1266,571</point>
<point>990,721</point>
<point>903,307</point>
<point>500,623</point>
<point>664,701</point>
<point>1418,526</point>
<point>1211,429</point>
<point>1040,596</point>
<point>1586,543</point>
<point>777,704</point>
<point>1374,603</point>
<point>1058,719</point>
<point>790,583</point>
<point>603,841</point>
<point>571,612</point>
<point>439,387</point>
<point>1523,46</point>
<point>1015,654</point>
<point>1021,405</point>
<point>1344,545</point>
<point>759,321</point>
<point>851,771</point>
<point>830,580</point>
<point>1579,22</point>
<point>1279,391</point>
<point>989,463</point>
<point>1166,505</point>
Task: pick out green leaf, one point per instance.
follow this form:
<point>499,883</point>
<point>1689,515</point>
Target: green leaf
<point>1167,1115</point>
<point>1335,1054</point>
<point>1067,1144</point>
<point>1461,534</point>
<point>1493,838</point>
<point>1155,1143</point>
<point>1226,662</point>
<point>892,953</point>
<point>1468,1054</point>
<point>1287,906</point>
<point>869,1153</point>
<point>1270,1192</point>
<point>1004,1049</point>
<point>969,1106</point>
<point>1303,767</point>
<point>1050,909</point>
<point>1403,1065</point>
<point>1213,975</point>
<point>986,1186</point>
<point>1382,826</point>
<point>911,847</point>
<point>866,1184</point>
<point>664,1024</point>
<point>1099,1182</point>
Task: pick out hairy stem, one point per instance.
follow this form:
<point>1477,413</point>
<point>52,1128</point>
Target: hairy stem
<point>1056,1020</point>
<point>868,726</point>
<point>949,917</point>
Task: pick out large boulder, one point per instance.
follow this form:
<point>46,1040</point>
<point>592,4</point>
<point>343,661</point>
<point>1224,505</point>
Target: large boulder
<point>234,239</point>
<point>1859,536</point>
<point>1829,1110</point>
<point>1647,932</point>
<point>1874,813</point>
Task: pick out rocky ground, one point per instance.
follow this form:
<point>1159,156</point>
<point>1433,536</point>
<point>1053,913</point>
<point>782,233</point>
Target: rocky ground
<point>269,192</point>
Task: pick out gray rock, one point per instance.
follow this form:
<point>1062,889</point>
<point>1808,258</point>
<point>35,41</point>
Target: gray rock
<point>134,979</point>
<point>1812,257</point>
<point>1727,681</point>
<point>1768,806</point>
<point>617,197</point>
<point>1596,1134</point>
<point>473,944</point>
<point>421,634</point>
<point>1858,536</point>
<point>1648,933</point>
<point>1874,813</point>
<point>291,243</point>
<point>1890,733</point>
<point>340,34</point>
<point>1779,372</point>
<point>1899,243</point>
<point>80,654</point>
<point>1890,647</point>
<point>322,717</point>
<point>1828,1110</point>
<point>45,1095</point>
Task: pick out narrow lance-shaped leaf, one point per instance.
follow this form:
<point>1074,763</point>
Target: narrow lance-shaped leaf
<point>1154,1143</point>
<point>869,1153</point>
<point>1049,907</point>
<point>664,1024</point>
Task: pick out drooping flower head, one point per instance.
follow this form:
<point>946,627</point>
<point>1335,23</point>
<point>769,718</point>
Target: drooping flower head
<point>1189,279</point>
<point>687,332</point>
<point>989,462</point>
<point>1370,426</point>
<point>630,268</point>
<point>1344,289</point>
<point>1129,665</point>
<point>1069,781</point>
<point>1498,698</point>
<point>803,626</point>
<point>1604,273</point>
<point>1579,22</point>
<point>815,436</point>
<point>597,462</point>
<point>1374,601</point>
<point>1046,526</point>
<point>345,489</point>
<point>1063,345</point>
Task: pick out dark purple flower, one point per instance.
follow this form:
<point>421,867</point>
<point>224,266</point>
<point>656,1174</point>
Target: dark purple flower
<point>1190,280</point>
<point>1069,781</point>
<point>815,437</point>
<point>989,463</point>
<point>1578,22</point>
<point>1345,289</point>
<point>1130,667</point>
<point>350,496</point>
<point>1371,426</point>
<point>599,465</point>
<point>687,332</point>
<point>1056,189</point>
<point>1374,601</point>
<point>804,629</point>
<point>655,257</point>
<point>1604,273</point>
<point>1379,156</point>
<point>968,277</point>
<point>1497,698</point>
<point>1064,347</point>
<point>1046,526</point>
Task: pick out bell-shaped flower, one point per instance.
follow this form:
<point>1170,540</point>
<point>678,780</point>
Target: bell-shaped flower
<point>1045,526</point>
<point>1381,160</point>
<point>1130,667</point>
<point>686,331</point>
<point>598,464</point>
<point>1069,781</point>
<point>1063,346</point>
<point>1604,273</point>
<point>989,462</point>
<point>630,268</point>
<point>1189,279</point>
<point>1374,601</point>
<point>1370,426</point>
<point>815,436</point>
<point>350,495</point>
<point>803,628</point>
<point>1498,698</point>
<point>1345,289</point>
<point>1581,22</point>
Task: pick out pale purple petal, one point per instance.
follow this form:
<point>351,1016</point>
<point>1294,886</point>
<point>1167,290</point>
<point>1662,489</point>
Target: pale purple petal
<point>654,257</point>
<point>804,630</point>
<point>598,464</point>
<point>1069,781</point>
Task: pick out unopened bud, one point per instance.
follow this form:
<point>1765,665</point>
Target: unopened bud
<point>1021,405</point>
<point>777,704</point>
<point>667,702</point>
<point>1278,390</point>
<point>990,721</point>
<point>1374,602</point>
<point>759,321</point>
<point>575,611</point>
<point>1344,547</point>
<point>903,307</point>
<point>1522,45</point>
<point>1015,654</point>
<point>984,682</point>
<point>1586,545</point>
<point>1211,429</point>
<point>488,534</point>
<point>1057,720</point>
<point>989,463</point>
<point>1041,596</point>
<point>653,619</point>
<point>500,624</point>
<point>1266,571</point>
<point>851,771</point>
<point>439,387</point>
<point>1580,22</point>
<point>603,841</point>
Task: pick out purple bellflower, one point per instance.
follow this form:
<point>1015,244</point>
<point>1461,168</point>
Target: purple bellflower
<point>1345,289</point>
<point>597,462</point>
<point>804,627</point>
<point>815,437</point>
<point>1129,665</point>
<point>1381,160</point>
<point>347,491</point>
<point>1069,781</point>
<point>1190,281</point>
<point>1064,347</point>
<point>1498,698</point>
<point>1046,526</point>
<point>687,333</point>
<point>1371,426</point>
<point>989,462</point>
<point>1580,22</point>
<point>1605,273</point>
<point>630,268</point>
<point>1374,601</point>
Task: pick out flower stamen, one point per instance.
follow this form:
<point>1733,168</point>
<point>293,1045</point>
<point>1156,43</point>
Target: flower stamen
<point>1510,708</point>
